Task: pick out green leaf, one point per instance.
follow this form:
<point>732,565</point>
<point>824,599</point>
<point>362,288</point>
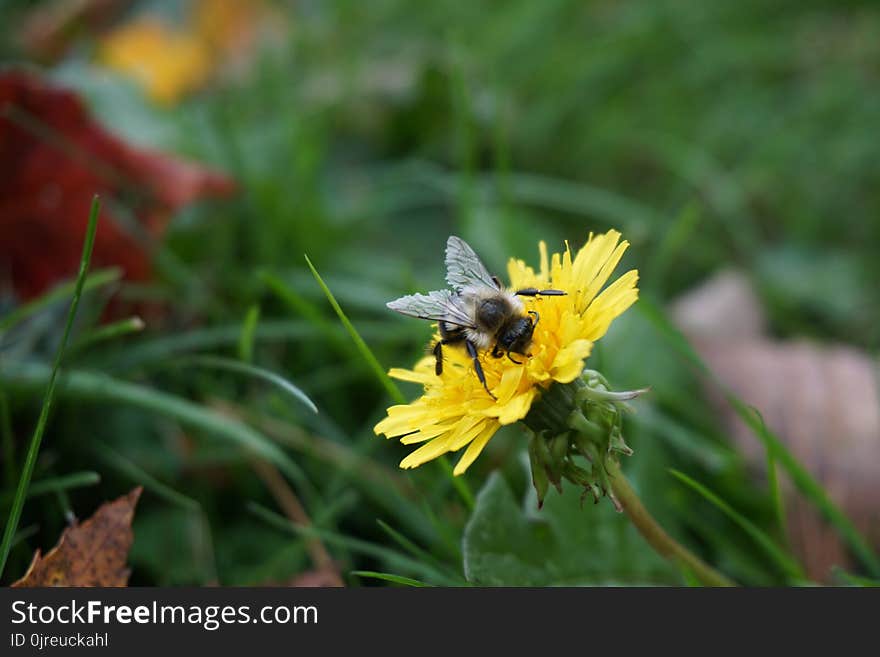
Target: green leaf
<point>565,543</point>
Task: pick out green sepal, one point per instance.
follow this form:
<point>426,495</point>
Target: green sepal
<point>537,460</point>
<point>591,427</point>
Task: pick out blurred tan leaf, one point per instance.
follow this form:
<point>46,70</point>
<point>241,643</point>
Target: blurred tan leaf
<point>93,553</point>
<point>722,307</point>
<point>822,400</point>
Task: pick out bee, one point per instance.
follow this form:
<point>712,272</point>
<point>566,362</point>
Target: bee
<point>477,313</point>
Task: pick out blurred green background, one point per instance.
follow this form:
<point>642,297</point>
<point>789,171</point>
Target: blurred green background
<point>363,134</point>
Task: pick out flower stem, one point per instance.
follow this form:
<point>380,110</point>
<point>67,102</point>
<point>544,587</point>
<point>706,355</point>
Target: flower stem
<point>663,543</point>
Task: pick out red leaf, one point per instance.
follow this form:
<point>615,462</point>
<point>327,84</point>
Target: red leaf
<point>53,158</point>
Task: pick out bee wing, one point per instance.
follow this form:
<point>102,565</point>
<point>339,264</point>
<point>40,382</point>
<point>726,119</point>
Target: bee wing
<point>464,268</point>
<point>439,306</point>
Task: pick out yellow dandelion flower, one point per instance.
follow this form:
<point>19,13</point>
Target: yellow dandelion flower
<point>456,412</point>
<point>165,62</point>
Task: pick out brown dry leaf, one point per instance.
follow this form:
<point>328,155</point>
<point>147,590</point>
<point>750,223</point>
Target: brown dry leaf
<point>93,553</point>
<point>823,401</point>
<point>318,578</point>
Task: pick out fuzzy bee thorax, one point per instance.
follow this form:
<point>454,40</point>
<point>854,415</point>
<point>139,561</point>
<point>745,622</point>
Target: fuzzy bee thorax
<point>492,309</point>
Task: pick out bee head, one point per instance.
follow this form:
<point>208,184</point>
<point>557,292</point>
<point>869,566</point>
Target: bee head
<point>517,335</point>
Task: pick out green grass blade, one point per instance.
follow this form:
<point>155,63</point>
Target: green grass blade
<point>788,565</point>
<point>463,130</point>
<point>98,387</point>
<point>56,484</point>
<point>853,580</point>
<point>690,580</point>
<point>25,533</point>
<point>248,334</point>
<point>552,193</point>
<point>8,442</point>
<point>403,541</point>
<point>775,488</point>
<point>394,392</point>
<point>450,537</point>
<point>809,486</point>
<point>37,438</point>
<point>675,240</point>
<point>64,483</point>
<point>140,476</point>
<point>299,305</point>
<point>95,280</point>
<point>653,313</point>
<point>458,483</point>
<point>388,577</point>
<point>149,351</point>
<point>105,333</point>
<point>365,351</point>
<point>218,362</point>
<point>583,200</point>
<point>412,548</point>
<point>394,558</point>
<point>63,500</point>
<point>340,456</point>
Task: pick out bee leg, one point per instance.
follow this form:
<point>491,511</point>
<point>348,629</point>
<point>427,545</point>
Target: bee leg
<point>438,355</point>
<point>537,318</point>
<point>437,350</point>
<point>496,352</point>
<point>472,352</point>
<point>513,360</point>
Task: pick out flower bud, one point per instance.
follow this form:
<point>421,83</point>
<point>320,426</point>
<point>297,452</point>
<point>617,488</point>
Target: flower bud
<point>581,419</point>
